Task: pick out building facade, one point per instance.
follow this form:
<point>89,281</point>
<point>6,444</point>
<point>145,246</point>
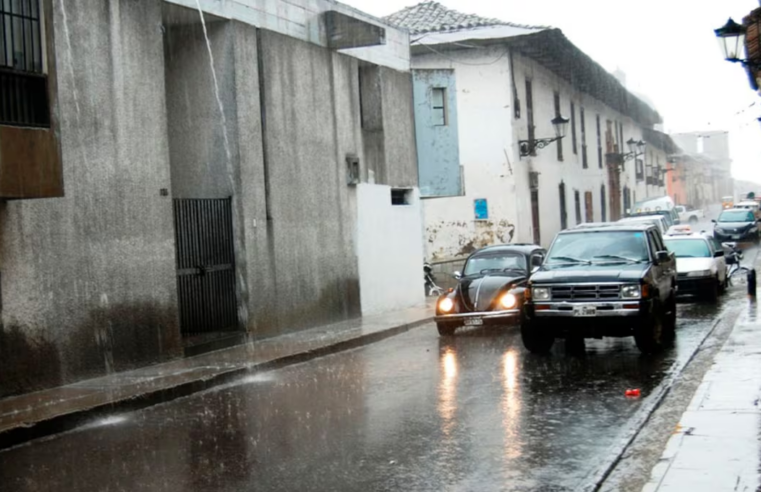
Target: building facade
<point>484,86</point>
<point>210,172</point>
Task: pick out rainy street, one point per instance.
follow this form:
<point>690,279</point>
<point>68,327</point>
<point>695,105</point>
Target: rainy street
<point>414,412</point>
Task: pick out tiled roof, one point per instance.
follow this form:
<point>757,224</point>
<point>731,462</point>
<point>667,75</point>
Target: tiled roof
<point>434,17</point>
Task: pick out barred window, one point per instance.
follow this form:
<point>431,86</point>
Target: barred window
<point>21,35</point>
<point>23,84</point>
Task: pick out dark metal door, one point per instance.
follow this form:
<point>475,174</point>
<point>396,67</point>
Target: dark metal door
<point>205,265</point>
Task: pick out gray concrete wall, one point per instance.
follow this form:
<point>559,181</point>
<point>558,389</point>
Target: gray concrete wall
<point>198,157</point>
<point>88,281</point>
<point>399,129</point>
<point>306,274</point>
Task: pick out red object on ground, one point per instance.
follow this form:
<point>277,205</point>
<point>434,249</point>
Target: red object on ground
<point>632,392</point>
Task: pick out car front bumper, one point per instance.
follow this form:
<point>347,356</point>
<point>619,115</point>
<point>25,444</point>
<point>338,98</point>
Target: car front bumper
<point>603,309</point>
<point>486,317</point>
<point>693,285</point>
<point>744,236</point>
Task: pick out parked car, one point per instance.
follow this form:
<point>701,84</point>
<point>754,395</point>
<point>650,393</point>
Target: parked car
<point>736,224</point>
<point>614,281</point>
<point>592,225</point>
<point>490,289</point>
<point>689,215</point>
<point>658,220</point>
<point>700,264</point>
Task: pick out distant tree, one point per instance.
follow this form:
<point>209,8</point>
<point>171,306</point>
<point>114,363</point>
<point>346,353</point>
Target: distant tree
<point>751,195</point>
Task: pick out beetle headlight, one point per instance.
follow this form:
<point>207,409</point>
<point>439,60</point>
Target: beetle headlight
<point>541,293</point>
<point>631,292</point>
<point>508,301</point>
<point>446,305</point>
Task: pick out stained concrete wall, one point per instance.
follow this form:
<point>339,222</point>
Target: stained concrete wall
<point>307,271</point>
<point>197,145</point>
<point>88,281</point>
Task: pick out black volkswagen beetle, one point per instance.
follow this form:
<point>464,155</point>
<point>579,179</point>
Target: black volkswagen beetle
<point>490,288</point>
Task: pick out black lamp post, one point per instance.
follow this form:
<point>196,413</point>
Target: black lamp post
<point>528,147</point>
<point>731,41</point>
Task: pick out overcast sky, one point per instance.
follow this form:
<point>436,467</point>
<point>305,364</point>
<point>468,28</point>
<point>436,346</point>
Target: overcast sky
<point>667,49</point>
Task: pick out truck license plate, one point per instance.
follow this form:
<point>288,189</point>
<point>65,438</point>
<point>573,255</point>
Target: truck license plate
<point>585,311</point>
<point>474,321</point>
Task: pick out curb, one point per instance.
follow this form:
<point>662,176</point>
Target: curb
<point>45,428</point>
<point>639,420</point>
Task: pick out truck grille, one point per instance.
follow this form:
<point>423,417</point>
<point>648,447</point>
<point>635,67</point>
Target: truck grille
<point>586,292</point>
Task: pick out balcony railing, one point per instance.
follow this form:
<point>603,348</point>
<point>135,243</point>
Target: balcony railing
<point>24,99</point>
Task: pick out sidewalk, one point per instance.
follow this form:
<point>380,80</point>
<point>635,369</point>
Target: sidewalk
<point>716,445</point>
<point>52,411</point>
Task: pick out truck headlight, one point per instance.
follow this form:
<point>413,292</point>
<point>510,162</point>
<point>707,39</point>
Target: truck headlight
<point>700,273</point>
<point>541,293</point>
<point>631,292</point>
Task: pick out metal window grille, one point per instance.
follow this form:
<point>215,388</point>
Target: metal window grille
<point>23,85</point>
<point>573,128</point>
<point>563,211</point>
<point>559,143</point>
<point>599,143</point>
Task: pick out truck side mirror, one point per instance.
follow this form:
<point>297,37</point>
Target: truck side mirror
<point>662,256</point>
<point>457,275</point>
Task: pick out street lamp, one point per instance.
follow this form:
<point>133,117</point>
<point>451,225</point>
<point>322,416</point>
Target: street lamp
<point>636,149</point>
<point>731,40</point>
<point>528,147</point>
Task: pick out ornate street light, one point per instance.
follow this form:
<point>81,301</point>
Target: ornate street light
<point>636,149</point>
<point>731,41</point>
<point>528,147</point>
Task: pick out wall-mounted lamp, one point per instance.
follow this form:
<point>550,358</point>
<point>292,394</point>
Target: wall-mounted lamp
<point>528,147</point>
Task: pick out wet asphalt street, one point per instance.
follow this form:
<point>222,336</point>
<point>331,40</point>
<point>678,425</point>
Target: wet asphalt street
<point>414,412</point>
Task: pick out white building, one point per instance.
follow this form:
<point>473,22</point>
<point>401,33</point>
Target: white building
<point>481,87</point>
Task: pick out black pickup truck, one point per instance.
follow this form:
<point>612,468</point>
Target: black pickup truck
<point>608,281</point>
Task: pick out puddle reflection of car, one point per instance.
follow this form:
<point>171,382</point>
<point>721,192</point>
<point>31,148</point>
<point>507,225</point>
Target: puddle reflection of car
<point>490,290</point>
<point>700,264</point>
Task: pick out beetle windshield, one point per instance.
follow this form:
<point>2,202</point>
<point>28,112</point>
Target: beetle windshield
<point>585,247</point>
<point>495,262</point>
<point>688,248</point>
<point>736,216</point>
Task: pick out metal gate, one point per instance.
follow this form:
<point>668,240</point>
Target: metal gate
<point>205,265</point>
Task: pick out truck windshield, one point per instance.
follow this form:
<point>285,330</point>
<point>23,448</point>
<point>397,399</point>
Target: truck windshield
<point>598,246</point>
<point>688,248</point>
<point>496,262</point>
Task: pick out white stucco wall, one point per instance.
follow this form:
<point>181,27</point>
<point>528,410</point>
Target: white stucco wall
<point>389,250</point>
<point>484,116</point>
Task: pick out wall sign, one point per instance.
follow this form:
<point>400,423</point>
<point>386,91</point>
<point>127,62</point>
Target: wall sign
<point>481,208</point>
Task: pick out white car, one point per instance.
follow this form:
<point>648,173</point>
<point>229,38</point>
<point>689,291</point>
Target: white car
<point>700,264</point>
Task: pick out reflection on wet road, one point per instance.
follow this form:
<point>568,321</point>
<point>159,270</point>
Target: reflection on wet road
<point>415,412</point>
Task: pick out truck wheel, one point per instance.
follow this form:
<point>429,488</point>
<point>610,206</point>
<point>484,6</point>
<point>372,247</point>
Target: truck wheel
<point>445,330</point>
<point>693,220</point>
<point>535,339</point>
<point>649,333</point>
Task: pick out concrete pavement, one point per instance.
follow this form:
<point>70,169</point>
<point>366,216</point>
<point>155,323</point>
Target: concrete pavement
<point>51,411</point>
<point>715,447</point>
